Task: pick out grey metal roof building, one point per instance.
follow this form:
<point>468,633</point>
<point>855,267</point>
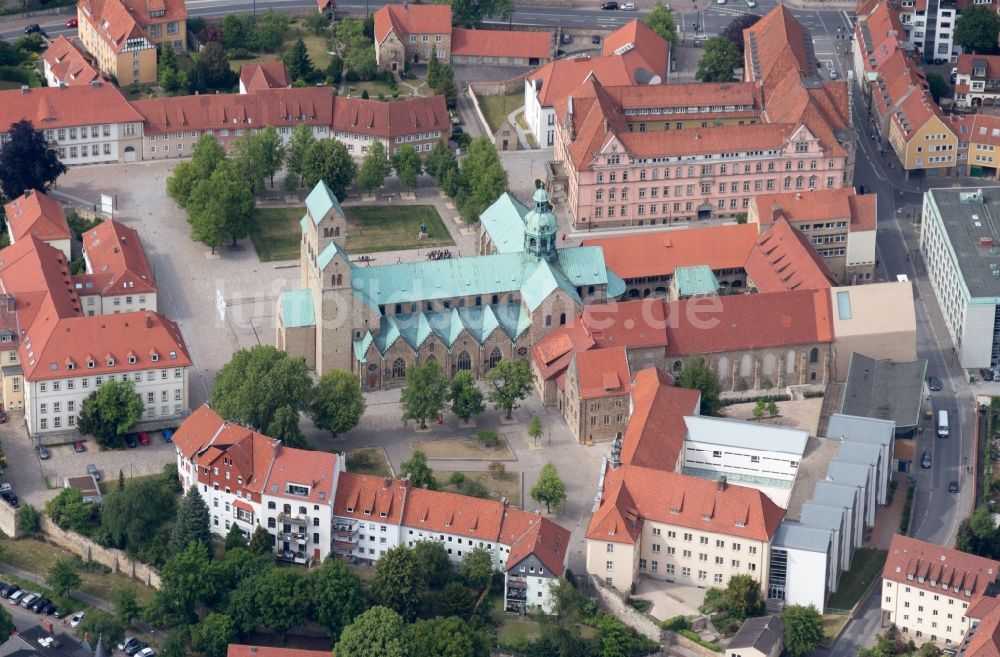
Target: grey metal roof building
<point>828,493</point>
<point>832,518</point>
<point>884,390</point>
<point>856,474</point>
<point>863,429</point>
<point>764,634</point>
<point>740,433</point>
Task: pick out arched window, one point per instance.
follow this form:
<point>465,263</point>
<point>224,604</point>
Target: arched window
<point>788,182</point>
<point>495,357</point>
<point>723,366</point>
<point>814,355</point>
<point>768,365</point>
<point>464,361</point>
<point>430,359</point>
<point>336,231</point>
<point>562,318</point>
<point>532,243</point>
<point>812,182</point>
<point>326,232</point>
<point>790,362</point>
<point>399,368</point>
<point>548,320</point>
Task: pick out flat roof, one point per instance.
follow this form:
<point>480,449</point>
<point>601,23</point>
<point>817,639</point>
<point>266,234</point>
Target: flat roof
<point>812,469</point>
<point>847,473</point>
<point>861,310</point>
<point>884,390</point>
<point>864,429</point>
<point>748,435</point>
<point>799,537</point>
<point>971,215</point>
<point>855,452</point>
<point>822,516</point>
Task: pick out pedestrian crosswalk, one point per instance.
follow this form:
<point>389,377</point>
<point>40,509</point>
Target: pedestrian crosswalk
<point>730,11</point>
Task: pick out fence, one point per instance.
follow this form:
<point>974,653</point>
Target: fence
<point>87,549</point>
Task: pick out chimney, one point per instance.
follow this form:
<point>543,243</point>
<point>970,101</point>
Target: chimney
<point>722,483</point>
<point>798,196</point>
<point>253,650</point>
<point>149,321</point>
<point>505,502</point>
<point>388,482</point>
<point>25,89</point>
<point>775,212</point>
<point>95,83</point>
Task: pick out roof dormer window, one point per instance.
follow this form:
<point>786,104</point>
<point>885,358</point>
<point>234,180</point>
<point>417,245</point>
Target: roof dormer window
<point>154,356</point>
<point>350,509</point>
<point>111,362</point>
<point>90,364</point>
<point>131,360</point>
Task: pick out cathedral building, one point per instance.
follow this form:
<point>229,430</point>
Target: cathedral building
<point>464,313</point>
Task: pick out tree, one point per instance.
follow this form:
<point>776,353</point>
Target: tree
<point>456,599</point>
<point>69,511</point>
<point>302,137</point>
<point>440,160</point>
<point>476,568</point>
<point>131,518</point>
<point>433,562</point>
<point>237,31</point>
<point>510,382</point>
<point>252,386</point>
<point>62,577</point>
<point>441,79</point>
<point>260,541</point>
<point>213,634</point>
<point>258,155</point>
<point>550,489</point>
<point>126,605</point>
<point>976,30</point>
<point>614,638</point>
<point>205,159</point>
<point>316,22</point>
<point>718,61</point>
<point>408,166</point>
<point>487,437</point>
<point>734,31</point>
<point>235,539</point>
<point>359,59</point>
<point>374,168</point>
<point>742,597</point>
<point>98,623</point>
<point>466,397</point>
<point>772,408</point>
<point>398,584</point>
<point>417,470</point>
<point>283,598</point>
<point>803,629</point>
<point>169,75</point>
<point>109,412</point>
<point>938,86</point>
<point>269,32</point>
<point>470,13</point>
<point>334,70</point>
<point>379,632</point>
<point>188,579</point>
<point>192,523</point>
<point>329,161</point>
<point>482,178</point>
<point>697,375</point>
<point>27,162</point>
<point>29,520</point>
<point>337,595</point>
<point>346,31</point>
<point>535,428</point>
<point>497,469</point>
<point>221,206</point>
<point>6,625</point>
<point>285,427</point>
<point>759,408</point>
<point>661,21</point>
<point>176,644</point>
<point>444,637</point>
<point>425,393</point>
<point>212,70</point>
<point>297,61</point>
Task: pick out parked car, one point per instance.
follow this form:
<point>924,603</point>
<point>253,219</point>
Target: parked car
<point>939,60</point>
<point>93,471</point>
<point>925,460</point>
<point>38,605</point>
<point>954,74</point>
<point>596,39</point>
<point>34,28</point>
<point>9,590</point>
<point>78,446</point>
<point>28,599</point>
<point>10,498</point>
<point>48,609</point>
<point>127,642</point>
<point>75,620</point>
<point>751,3</point>
<point>609,6</point>
<point>833,73</point>
<point>146,652</point>
<point>168,435</point>
<point>131,440</point>
<point>628,6</point>
<point>72,23</point>
<point>43,453</point>
<point>16,596</point>
<point>143,438</point>
<point>934,383</point>
<point>567,37</point>
<point>986,374</point>
<point>136,647</point>
<point>952,486</point>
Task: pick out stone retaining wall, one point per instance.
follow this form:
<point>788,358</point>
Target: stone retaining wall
<point>85,548</point>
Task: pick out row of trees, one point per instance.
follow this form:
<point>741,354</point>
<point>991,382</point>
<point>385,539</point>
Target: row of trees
<point>474,185</point>
<point>377,165</point>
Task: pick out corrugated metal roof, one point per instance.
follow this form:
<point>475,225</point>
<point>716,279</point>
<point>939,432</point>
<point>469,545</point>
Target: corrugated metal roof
<point>747,435</point>
<point>828,493</point>
<point>824,517</point>
<point>695,281</point>
<point>855,452</point>
<point>865,429</point>
<point>849,474</point>
<point>297,308</point>
<point>504,223</point>
<point>797,536</point>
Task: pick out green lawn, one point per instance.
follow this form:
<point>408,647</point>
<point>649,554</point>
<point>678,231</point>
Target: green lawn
<point>508,485</point>
<point>371,229</point>
<point>496,108</point>
<point>276,233</point>
<point>368,460</point>
<point>315,46</point>
<point>867,565</point>
<point>374,89</point>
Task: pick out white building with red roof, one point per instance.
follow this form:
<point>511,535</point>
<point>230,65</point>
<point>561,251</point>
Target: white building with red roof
<point>64,64</point>
<point>118,278</point>
<point>36,213</point>
<point>313,508</point>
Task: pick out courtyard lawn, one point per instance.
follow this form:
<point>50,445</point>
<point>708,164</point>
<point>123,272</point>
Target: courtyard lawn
<point>368,460</point>
<point>315,46</point>
<point>508,485</point>
<point>371,229</point>
<point>866,566</point>
<point>276,233</point>
<point>496,108</point>
<point>375,88</point>
<point>466,449</point>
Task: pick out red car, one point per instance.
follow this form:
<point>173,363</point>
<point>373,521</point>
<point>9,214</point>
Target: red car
<point>79,447</point>
<point>72,22</point>
<point>143,438</point>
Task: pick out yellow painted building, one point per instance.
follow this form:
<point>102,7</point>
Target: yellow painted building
<point>920,137</point>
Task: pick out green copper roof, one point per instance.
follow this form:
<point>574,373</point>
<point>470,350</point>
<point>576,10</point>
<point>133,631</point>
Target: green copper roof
<point>297,308</point>
<point>361,347</point>
<point>695,281</point>
<point>504,223</point>
<point>320,201</point>
<point>327,254</point>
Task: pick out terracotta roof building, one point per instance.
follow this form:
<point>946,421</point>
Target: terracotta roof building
<point>782,260</point>
<point>38,214</point>
<point>264,75</point>
<point>239,650</point>
<point>637,156</point>
<point>314,508</point>
<point>501,47</point>
<point>64,64</point>
<point>118,277</point>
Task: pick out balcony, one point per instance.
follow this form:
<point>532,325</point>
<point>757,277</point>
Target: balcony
<point>294,556</point>
<point>287,516</point>
<point>516,582</point>
<point>516,595</point>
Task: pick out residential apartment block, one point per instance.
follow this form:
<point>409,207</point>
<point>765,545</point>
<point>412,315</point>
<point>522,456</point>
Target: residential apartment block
<point>642,155</point>
<point>313,509</point>
<point>959,243</point>
<point>118,278</point>
<point>64,64</point>
<point>38,214</point>
<point>977,82</point>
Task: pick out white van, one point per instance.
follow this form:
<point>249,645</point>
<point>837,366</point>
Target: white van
<point>942,425</point>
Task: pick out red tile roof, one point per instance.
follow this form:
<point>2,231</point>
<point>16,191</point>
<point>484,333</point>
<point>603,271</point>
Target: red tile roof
<point>119,20</point>
<point>501,43</point>
<point>660,253</point>
<point>748,321</point>
<point>559,78</point>
<point>864,211</point>
<point>964,65</point>
<point>656,429</point>
<point>817,205</point>
<point>62,107</point>
<point>635,40</point>
<point>530,534</point>
<point>391,119</point>
<point>38,277</point>
<point>777,46</point>
<point>451,513</point>
<point>264,75</point>
<point>641,494</point>
<point>783,259</point>
<point>364,496</point>
<point>316,470</point>
<point>984,641</point>
<point>938,569</point>
<point>204,437</point>
<point>117,260</point>
<point>406,19</point>
<point>67,64</point>
<point>39,214</point>
<point>603,373</point>
<point>238,650</point>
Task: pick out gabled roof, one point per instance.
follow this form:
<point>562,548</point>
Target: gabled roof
<point>984,639</point>
<point>763,633</point>
<point>656,429</point>
<point>67,64</point>
<point>942,570</point>
<point>312,469</point>
<point>777,46</point>
<point>407,18</point>
<point>782,259</point>
<point>966,63</point>
<point>60,107</point>
<point>387,120</point>
<point>603,373</point>
<point>501,43</point>
<point>530,534</point>
<point>39,214</point>
<point>117,260</point>
<point>264,75</point>
<point>636,41</point>
<point>503,221</point>
<point>364,497</point>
